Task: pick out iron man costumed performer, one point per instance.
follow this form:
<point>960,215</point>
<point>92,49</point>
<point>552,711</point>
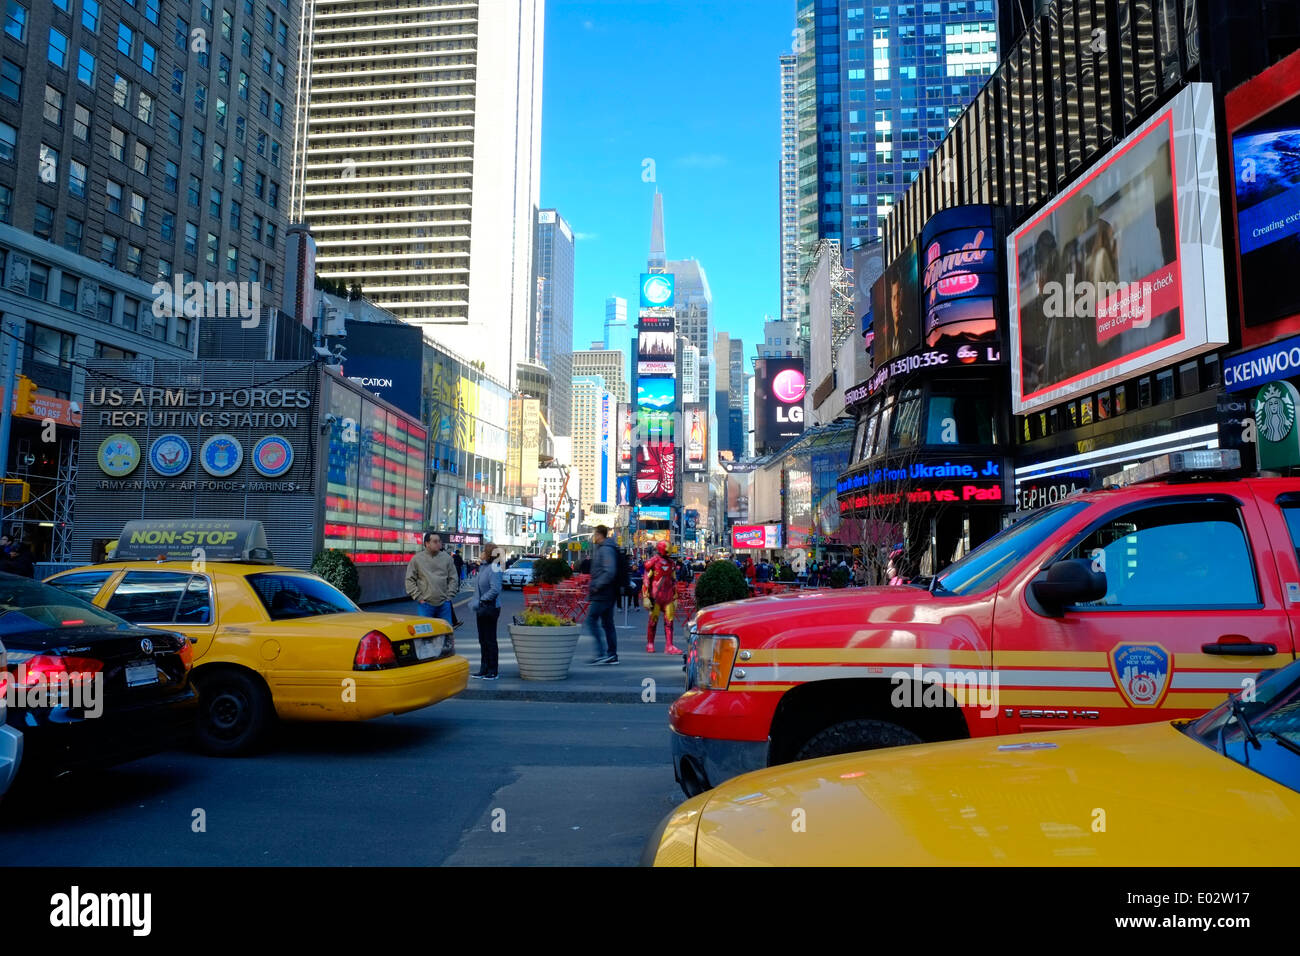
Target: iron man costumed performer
<point>658,593</point>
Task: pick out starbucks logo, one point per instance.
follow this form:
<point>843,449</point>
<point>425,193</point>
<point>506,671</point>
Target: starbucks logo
<point>1274,412</point>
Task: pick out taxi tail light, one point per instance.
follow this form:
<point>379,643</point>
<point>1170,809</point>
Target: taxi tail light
<point>186,652</point>
<point>54,669</point>
<point>374,652</point>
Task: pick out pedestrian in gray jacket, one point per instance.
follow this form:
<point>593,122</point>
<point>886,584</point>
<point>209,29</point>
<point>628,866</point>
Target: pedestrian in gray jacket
<point>487,609</point>
<point>602,595</point>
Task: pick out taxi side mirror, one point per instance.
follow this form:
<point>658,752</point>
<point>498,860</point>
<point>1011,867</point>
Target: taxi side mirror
<point>1068,582</point>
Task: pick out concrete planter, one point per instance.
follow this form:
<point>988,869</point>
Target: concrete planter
<point>544,653</point>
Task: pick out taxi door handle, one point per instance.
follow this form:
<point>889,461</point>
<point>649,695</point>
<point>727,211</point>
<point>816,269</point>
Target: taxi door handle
<point>1238,644</point>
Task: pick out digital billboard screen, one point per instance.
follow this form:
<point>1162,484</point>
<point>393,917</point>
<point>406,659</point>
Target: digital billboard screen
<point>779,386</point>
<point>959,278</point>
<point>1124,272</point>
<point>657,290</point>
<point>626,441</point>
<point>657,393</point>
<point>655,426</point>
<point>894,299</point>
<point>656,473</point>
<point>387,359</point>
<point>1263,118</point>
<point>695,434</point>
<point>656,353</point>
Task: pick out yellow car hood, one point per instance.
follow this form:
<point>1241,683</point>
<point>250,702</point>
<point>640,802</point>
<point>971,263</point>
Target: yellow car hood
<point>1123,796</point>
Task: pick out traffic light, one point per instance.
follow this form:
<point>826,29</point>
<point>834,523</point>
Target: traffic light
<point>24,392</point>
<point>14,492</point>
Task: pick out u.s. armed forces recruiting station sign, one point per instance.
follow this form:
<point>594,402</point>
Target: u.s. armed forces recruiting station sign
<point>182,540</point>
<point>148,448</point>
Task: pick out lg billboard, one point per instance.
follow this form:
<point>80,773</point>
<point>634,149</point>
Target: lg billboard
<point>1124,272</point>
<point>779,386</point>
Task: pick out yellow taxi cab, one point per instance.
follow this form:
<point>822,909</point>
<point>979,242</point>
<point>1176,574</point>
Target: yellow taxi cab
<point>1221,790</point>
<point>269,641</point>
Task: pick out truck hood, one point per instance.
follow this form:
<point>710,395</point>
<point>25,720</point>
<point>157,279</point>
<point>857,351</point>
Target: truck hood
<point>776,609</point>
<point>1122,796</point>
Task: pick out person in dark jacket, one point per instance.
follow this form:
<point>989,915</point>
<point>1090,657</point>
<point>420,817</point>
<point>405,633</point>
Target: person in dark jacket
<point>487,610</point>
<point>603,591</point>
<point>19,561</point>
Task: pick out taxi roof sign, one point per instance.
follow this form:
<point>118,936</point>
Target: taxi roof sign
<point>185,539</point>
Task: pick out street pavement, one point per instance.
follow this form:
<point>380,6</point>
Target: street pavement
<point>638,675</point>
<point>513,772</point>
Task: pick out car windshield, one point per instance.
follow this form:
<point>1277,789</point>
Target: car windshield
<point>524,566</point>
<point>1261,728</point>
<point>987,563</point>
<point>27,606</point>
<point>288,596</point>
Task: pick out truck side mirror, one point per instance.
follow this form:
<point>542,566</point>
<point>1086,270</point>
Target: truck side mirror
<point>1068,582</point>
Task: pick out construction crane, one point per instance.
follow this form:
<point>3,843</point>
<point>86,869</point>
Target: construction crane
<point>553,520</point>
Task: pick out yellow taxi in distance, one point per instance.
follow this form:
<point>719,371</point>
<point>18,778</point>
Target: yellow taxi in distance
<point>273,641</point>
<point>1218,791</point>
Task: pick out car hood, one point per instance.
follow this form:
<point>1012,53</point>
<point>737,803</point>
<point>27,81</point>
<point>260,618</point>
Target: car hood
<point>800,605</point>
<point>1122,796</point>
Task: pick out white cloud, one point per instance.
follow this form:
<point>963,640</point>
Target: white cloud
<point>584,235</point>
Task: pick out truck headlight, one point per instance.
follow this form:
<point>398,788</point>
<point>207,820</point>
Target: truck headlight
<point>714,656</point>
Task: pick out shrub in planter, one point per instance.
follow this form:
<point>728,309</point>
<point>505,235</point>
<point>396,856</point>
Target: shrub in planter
<point>535,618</point>
<point>787,574</point>
<point>543,644</point>
<point>337,568</point>
<point>840,578</point>
<point>551,571</point>
<point>721,581</point>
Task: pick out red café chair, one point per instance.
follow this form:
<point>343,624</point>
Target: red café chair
<point>532,596</point>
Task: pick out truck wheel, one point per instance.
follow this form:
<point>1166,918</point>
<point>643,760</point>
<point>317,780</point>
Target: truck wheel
<point>854,735</point>
<point>234,712</point>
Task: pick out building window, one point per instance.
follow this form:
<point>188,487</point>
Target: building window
<point>77,179</point>
<point>236,210</point>
<point>243,86</point>
<point>38,281</point>
<point>182,38</point>
<point>90,15</point>
<point>81,122</point>
<point>141,164</point>
<point>221,113</point>
<point>171,177</point>
<point>68,291</point>
<point>130,313</point>
<point>117,144</point>
<point>8,142</point>
<point>232,260</point>
<point>167,227</point>
<point>134,260</point>
<point>151,10</point>
<point>200,97</point>
<point>218,158</point>
<point>43,221</point>
<point>11,82</point>
<point>196,143</point>
<point>273,196</point>
<point>48,346</point>
<point>195,191</point>
<point>121,91</point>
<point>270,234</point>
<point>148,57</point>
<point>213,247</point>
<point>73,228</point>
<point>105,351</point>
<point>214,202</point>
<point>57,52</point>
<point>182,332</point>
<point>104,307</point>
<point>138,209</point>
<point>125,40</point>
<point>16,20</point>
<point>6,207</point>
<point>164,268</point>
<point>174,127</point>
<point>144,109</point>
<point>191,238</point>
<point>236,171</point>
<point>108,250</point>
<point>49,165</point>
<point>227,25</point>
<point>178,81</point>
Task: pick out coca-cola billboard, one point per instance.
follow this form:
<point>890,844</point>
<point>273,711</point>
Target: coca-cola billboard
<point>656,473</point>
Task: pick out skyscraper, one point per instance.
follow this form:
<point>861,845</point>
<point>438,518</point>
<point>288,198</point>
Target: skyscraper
<point>729,393</point>
<point>616,328</point>
<point>591,437</point>
<point>551,341</point>
<point>609,364</point>
<point>422,155</point>
<point>788,173</point>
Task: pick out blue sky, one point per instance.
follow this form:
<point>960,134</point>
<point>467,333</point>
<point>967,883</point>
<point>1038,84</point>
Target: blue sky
<point>695,87</point>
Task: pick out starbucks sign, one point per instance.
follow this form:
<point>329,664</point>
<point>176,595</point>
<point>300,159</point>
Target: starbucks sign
<point>1275,427</point>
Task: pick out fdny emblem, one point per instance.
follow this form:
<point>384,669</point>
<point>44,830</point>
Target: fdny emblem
<point>1142,673</point>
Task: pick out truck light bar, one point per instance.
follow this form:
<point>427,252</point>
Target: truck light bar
<point>1178,464</point>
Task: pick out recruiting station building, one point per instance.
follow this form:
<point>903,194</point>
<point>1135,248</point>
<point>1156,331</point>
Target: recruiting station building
<point>318,460</point>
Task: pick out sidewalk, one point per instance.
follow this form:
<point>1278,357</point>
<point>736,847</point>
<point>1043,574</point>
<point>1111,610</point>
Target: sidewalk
<point>623,683</point>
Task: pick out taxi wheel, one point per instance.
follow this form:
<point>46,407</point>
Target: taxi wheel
<point>854,735</point>
<point>234,712</point>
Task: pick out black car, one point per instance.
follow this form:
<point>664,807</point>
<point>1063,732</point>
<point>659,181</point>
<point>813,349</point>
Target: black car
<point>88,688</point>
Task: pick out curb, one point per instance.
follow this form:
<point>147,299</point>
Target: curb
<point>560,697</point>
